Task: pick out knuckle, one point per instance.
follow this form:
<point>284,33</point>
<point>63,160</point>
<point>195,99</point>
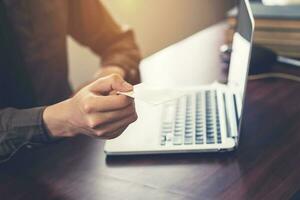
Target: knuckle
<point>100,121</point>
<point>88,104</point>
<point>87,108</point>
<point>100,133</point>
<point>92,123</point>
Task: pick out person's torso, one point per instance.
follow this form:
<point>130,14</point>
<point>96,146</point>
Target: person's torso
<point>40,28</point>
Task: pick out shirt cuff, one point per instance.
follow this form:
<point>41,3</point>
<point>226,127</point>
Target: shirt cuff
<point>27,125</point>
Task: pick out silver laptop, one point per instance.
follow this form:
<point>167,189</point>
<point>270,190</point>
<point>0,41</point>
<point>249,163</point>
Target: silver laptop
<point>206,119</point>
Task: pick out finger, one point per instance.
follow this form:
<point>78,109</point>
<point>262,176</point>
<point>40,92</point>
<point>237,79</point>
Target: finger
<point>116,133</point>
<point>110,83</point>
<point>106,103</point>
<point>106,117</point>
<point>112,127</point>
<point>114,92</point>
<point>112,135</point>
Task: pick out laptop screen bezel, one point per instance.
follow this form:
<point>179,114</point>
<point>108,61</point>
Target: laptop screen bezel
<point>250,39</point>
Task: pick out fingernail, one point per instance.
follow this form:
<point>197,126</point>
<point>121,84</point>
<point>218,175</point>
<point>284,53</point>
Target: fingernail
<point>127,86</point>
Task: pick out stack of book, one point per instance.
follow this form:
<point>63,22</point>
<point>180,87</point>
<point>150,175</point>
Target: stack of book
<point>276,27</point>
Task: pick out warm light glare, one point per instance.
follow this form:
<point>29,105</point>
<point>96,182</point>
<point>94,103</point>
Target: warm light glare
<point>129,5</point>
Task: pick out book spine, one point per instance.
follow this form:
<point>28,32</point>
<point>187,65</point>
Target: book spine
<point>270,25</point>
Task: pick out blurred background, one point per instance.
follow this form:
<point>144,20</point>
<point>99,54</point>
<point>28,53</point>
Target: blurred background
<point>157,24</point>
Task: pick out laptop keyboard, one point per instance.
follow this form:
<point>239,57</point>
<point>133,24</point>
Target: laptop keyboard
<point>191,119</point>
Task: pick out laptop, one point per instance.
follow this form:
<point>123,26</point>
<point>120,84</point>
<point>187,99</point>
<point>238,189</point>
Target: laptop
<point>206,119</point>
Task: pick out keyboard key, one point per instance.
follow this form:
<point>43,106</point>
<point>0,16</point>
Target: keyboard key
<point>189,129</point>
<point>186,118</point>
<point>199,140</point>
<point>198,137</point>
<point>199,125</point>
<point>210,141</point>
<point>179,125</point>
<point>178,128</point>
<point>189,124</point>
<point>178,132</point>
<point>188,140</point>
<point>169,137</point>
<point>199,120</point>
<point>163,140</point>
<point>167,127</point>
<point>166,132</point>
<point>188,135</point>
<point>177,140</point>
<point>199,132</point>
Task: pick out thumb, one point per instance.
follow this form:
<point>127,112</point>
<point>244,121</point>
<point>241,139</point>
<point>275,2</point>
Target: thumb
<point>111,83</point>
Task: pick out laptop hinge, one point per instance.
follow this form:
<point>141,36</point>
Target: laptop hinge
<point>231,115</point>
<point>230,95</point>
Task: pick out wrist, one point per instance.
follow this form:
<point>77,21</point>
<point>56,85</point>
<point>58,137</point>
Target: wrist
<point>56,121</point>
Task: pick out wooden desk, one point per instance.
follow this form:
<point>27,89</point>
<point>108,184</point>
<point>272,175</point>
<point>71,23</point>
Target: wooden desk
<point>266,166</point>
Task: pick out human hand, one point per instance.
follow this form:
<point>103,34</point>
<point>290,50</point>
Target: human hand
<point>92,111</point>
<point>102,72</point>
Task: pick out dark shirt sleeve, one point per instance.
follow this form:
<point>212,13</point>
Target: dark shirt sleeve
<point>91,25</point>
<point>20,127</point>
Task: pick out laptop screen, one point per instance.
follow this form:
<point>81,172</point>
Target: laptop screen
<point>241,52</point>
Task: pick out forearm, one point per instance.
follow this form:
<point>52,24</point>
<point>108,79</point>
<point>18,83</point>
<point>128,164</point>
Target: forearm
<point>123,52</point>
<point>92,25</point>
<point>55,119</point>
